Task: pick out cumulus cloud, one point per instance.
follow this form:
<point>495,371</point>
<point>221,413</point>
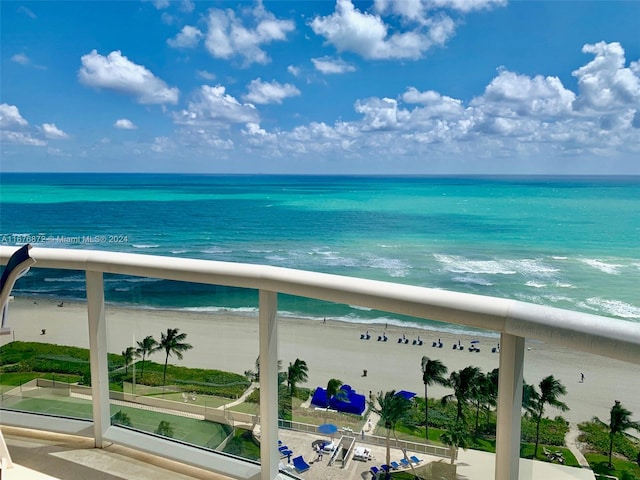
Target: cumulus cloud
<point>605,84</point>
<point>510,94</point>
<point>516,116</point>
<point>124,124</point>
<point>10,117</point>
<point>228,35</point>
<point>187,38</point>
<point>14,128</point>
<point>116,72</point>
<point>328,65</point>
<point>212,105</point>
<point>52,132</point>
<point>367,34</point>
<point>418,10</point>
<point>270,92</point>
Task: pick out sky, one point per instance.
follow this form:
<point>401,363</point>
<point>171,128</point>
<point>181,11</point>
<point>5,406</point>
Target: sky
<point>321,87</point>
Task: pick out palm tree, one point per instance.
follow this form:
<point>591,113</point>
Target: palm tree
<point>550,390</point>
<point>333,387</point>
<point>433,371</point>
<point>296,373</point>
<point>146,347</point>
<point>456,436</point>
<point>172,343</point>
<point>620,421</point>
<point>127,356</point>
<point>392,408</point>
<point>464,382</point>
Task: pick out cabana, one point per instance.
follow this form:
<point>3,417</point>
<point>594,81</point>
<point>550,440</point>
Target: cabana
<point>346,400</point>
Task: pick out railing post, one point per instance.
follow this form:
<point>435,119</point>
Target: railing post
<point>98,356</point>
<point>269,455</point>
<point>509,407</point>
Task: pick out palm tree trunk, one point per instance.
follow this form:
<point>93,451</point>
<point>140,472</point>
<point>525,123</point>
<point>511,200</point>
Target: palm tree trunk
<point>610,449</point>
<point>426,414</point>
<point>535,451</point>
<point>164,372</point>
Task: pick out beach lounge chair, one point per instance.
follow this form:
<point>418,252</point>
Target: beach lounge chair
<point>395,465</point>
<point>415,459</point>
<point>300,465</point>
<point>374,471</point>
<point>404,462</point>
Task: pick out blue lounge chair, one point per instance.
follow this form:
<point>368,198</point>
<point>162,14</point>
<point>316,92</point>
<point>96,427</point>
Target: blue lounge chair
<point>404,462</point>
<point>395,465</point>
<point>286,453</point>
<point>374,471</point>
<point>415,459</point>
<point>300,465</point>
<point>283,447</point>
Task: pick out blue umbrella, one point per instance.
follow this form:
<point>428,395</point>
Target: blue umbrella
<point>327,429</point>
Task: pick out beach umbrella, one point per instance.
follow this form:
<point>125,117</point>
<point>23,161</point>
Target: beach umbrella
<point>327,429</point>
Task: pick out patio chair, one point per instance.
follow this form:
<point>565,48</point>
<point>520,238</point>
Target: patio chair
<point>404,462</point>
<point>415,459</point>
<point>374,471</point>
<point>395,465</point>
<point>300,465</point>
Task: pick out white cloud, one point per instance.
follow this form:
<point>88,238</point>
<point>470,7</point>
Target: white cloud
<point>349,29</point>
<point>116,72</point>
<point>295,71</point>
<point>124,124</point>
<point>328,65</point>
<point>510,94</point>
<point>187,6</point>
<point>14,128</point>
<point>187,38</point>
<point>211,105</point>
<point>435,105</point>
<point>52,132</point>
<point>21,58</point>
<point>228,36</point>
<point>10,117</point>
<point>605,85</point>
<point>418,10</point>
<point>206,75</point>
<point>270,92</point>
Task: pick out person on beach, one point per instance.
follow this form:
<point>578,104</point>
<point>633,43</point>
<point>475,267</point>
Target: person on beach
<point>581,377</point>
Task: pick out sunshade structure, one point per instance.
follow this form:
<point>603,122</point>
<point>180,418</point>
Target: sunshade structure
<point>405,394</point>
<point>327,429</point>
<point>346,400</point>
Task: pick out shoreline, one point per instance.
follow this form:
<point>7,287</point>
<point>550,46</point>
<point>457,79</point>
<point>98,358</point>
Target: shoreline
<point>332,349</point>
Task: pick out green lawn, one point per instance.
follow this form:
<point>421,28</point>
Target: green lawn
<point>623,469</point>
<point>196,432</point>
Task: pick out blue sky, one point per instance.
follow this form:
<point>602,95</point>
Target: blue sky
<point>378,87</point>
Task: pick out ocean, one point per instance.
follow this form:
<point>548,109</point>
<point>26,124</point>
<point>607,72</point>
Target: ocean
<point>568,242</point>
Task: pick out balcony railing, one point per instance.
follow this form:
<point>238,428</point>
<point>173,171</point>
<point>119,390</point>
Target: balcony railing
<point>515,321</point>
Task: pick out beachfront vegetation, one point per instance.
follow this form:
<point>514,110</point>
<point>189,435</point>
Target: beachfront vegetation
<point>296,373</point>
<point>128,355</point>
<point>28,360</point>
<point>392,409</point>
<point>172,343</point>
<point>146,347</point>
<point>433,371</point>
<point>465,384</point>
<point>550,391</point>
<point>609,446</point>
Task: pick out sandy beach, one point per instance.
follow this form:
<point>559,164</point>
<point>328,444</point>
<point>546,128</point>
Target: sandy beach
<point>333,349</point>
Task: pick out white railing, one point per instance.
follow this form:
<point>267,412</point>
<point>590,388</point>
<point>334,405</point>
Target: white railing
<point>514,320</point>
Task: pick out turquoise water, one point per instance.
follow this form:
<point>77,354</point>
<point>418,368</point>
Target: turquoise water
<point>560,241</point>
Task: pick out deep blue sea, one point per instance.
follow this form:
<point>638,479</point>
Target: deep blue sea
<point>560,241</point>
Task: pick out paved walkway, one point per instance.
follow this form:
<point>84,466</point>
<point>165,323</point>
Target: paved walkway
<point>572,444</point>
